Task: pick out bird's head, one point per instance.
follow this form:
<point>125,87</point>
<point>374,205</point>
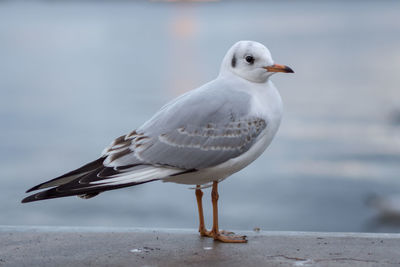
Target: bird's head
<point>251,61</point>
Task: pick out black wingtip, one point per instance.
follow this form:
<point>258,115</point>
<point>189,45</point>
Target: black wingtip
<point>36,187</point>
<point>28,199</point>
<point>43,195</point>
<point>89,166</point>
<point>36,197</point>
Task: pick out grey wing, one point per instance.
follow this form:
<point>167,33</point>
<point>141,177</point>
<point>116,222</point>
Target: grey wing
<point>200,130</point>
<point>197,147</point>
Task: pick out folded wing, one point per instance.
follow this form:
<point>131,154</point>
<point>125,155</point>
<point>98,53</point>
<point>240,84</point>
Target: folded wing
<point>198,130</point>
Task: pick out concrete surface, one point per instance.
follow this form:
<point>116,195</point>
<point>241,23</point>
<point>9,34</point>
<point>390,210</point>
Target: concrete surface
<point>64,246</point>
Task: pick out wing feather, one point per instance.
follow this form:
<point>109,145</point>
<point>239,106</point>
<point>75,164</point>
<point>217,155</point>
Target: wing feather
<point>198,130</point>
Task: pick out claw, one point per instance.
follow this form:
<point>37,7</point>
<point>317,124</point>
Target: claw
<point>231,239</point>
<point>224,236</point>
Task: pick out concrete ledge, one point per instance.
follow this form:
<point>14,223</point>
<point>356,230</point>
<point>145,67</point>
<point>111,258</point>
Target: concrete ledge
<point>66,246</point>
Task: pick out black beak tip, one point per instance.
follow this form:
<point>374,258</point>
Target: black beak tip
<point>288,70</point>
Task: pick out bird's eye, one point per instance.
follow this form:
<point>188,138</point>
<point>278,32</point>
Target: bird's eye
<point>249,59</point>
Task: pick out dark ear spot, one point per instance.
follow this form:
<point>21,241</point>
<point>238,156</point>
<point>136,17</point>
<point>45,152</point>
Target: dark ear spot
<point>233,61</point>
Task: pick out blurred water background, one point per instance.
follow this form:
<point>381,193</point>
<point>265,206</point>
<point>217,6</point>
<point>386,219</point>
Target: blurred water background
<point>76,74</point>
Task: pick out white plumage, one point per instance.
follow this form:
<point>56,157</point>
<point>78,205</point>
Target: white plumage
<point>202,136</point>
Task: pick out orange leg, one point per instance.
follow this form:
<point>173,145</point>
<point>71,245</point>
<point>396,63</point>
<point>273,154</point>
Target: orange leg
<point>199,195</point>
<point>221,235</point>
<point>215,233</point>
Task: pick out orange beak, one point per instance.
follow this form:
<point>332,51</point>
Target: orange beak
<point>279,68</point>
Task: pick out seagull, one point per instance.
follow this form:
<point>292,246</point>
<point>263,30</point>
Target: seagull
<point>200,138</point>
